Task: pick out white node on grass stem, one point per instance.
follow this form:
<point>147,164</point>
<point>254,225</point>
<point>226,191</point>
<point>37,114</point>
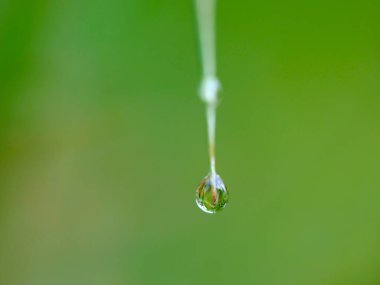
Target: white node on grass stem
<point>209,90</point>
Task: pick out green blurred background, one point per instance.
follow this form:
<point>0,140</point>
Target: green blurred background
<point>103,142</point>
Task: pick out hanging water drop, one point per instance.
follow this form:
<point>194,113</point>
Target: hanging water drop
<point>212,194</point>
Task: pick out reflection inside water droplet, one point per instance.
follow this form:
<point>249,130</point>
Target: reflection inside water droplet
<point>211,194</point>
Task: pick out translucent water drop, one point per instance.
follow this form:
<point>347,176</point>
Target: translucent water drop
<point>211,198</point>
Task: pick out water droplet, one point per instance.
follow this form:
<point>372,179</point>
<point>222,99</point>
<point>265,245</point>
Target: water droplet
<point>211,196</point>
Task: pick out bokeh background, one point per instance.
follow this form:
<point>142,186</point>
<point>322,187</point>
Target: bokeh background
<point>103,142</point>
